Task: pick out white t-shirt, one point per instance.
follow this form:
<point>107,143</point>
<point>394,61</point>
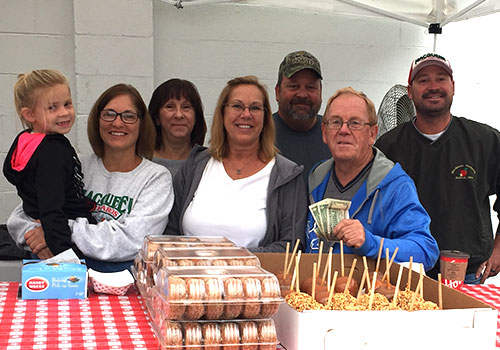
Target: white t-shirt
<point>235,209</point>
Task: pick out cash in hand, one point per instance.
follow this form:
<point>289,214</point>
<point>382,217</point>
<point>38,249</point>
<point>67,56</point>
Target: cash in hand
<point>328,213</point>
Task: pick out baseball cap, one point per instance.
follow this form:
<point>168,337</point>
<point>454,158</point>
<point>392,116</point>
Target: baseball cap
<point>297,61</point>
<point>429,59</point>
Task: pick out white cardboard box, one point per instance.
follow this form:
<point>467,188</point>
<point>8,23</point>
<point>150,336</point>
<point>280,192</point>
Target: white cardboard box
<point>465,322</point>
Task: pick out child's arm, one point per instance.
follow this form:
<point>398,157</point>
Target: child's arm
<point>120,240</point>
<point>18,224</point>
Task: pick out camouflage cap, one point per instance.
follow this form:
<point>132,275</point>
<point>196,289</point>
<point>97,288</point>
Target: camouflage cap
<point>297,61</point>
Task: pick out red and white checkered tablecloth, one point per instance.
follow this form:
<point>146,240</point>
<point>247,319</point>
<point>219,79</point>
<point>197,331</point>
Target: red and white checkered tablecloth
<point>489,294</point>
<point>104,322</point>
<point>100,322</point>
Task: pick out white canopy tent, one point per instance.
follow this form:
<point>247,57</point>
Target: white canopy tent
<point>431,14</point>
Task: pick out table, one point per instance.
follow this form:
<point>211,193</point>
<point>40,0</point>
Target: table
<point>105,321</point>
<point>100,322</point>
<point>489,294</point>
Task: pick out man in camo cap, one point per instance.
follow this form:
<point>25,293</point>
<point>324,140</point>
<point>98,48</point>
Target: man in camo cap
<point>298,125</point>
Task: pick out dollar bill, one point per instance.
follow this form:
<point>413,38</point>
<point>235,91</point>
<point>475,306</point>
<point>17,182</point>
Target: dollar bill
<point>328,213</point>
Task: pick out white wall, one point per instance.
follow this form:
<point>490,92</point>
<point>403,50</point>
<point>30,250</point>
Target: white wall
<point>144,42</point>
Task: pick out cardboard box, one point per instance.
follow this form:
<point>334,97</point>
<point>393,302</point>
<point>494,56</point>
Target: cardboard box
<point>464,322</point>
<point>53,281</point>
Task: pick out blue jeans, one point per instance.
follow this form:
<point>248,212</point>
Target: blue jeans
<point>107,266</point>
<point>471,278</point>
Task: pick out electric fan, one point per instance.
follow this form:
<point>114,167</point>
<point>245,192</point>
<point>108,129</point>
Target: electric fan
<point>395,109</point>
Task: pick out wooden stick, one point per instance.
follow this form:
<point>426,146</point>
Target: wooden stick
<point>319,255</point>
<point>410,270</point>
<point>440,292</point>
<point>422,278</point>
<point>372,291</point>
<point>390,264</point>
<point>396,290</point>
<point>351,271</point>
<point>368,282</point>
<point>294,277</point>
<point>332,288</point>
<point>365,276</point>
<point>329,272</point>
<point>379,254</point>
<point>341,258</point>
<point>328,266</point>
<point>414,296</point>
<point>297,262</point>
<point>293,254</point>
<point>313,293</point>
<point>387,266</point>
<point>286,259</point>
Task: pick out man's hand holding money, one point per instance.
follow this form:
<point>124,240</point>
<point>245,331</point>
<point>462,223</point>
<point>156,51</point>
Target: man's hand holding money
<point>351,232</point>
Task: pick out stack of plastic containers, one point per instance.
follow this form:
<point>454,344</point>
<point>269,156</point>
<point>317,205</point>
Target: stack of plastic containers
<point>211,298</point>
<point>143,264</point>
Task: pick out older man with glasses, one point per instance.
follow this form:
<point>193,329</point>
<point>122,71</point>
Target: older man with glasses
<point>384,201</point>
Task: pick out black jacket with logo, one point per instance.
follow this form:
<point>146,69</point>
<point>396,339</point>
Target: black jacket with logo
<point>454,175</point>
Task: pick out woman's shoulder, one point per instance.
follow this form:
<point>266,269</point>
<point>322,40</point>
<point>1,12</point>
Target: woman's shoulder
<point>285,170</point>
<point>153,167</point>
<point>287,165</point>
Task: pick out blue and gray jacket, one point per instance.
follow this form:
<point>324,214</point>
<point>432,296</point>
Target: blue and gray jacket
<point>387,206</point>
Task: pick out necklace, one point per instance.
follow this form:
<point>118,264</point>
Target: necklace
<point>239,170</point>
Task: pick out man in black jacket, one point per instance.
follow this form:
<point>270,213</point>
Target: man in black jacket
<point>455,163</point>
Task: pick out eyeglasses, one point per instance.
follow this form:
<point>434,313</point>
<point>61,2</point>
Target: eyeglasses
<point>109,115</point>
<point>238,108</point>
<point>337,123</point>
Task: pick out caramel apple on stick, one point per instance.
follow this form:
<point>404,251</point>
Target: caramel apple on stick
<point>332,288</point>
<point>348,286</point>
<point>312,283</point>
<point>395,297</point>
<point>368,282</point>
<point>386,274</point>
<point>414,296</point>
<point>372,290</point>
<point>362,284</point>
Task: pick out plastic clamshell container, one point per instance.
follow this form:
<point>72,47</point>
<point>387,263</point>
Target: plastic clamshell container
<point>216,293</point>
<point>143,283</point>
<point>141,263</point>
<point>153,242</point>
<point>218,256</point>
<point>217,335</point>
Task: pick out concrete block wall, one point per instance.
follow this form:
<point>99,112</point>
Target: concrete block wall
<point>145,42</point>
<point>96,44</point>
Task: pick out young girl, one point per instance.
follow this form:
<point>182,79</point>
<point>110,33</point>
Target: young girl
<point>41,162</point>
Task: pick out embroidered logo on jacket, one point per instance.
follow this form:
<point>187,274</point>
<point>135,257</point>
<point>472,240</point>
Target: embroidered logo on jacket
<point>464,172</point>
<point>109,206</point>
